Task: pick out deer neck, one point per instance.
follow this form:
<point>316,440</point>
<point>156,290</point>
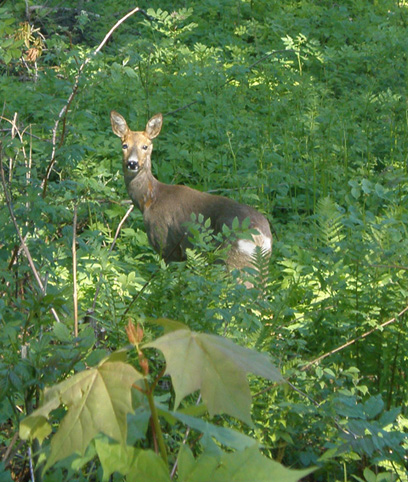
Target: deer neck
<point>142,188</point>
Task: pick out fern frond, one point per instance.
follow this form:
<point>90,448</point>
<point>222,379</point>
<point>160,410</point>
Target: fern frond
<point>329,223</point>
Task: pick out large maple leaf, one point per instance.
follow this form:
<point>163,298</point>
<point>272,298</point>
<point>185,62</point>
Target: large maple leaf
<point>241,466</point>
<point>217,367</point>
<point>97,400</point>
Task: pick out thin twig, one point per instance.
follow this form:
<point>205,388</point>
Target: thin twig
<point>364,335</point>
<point>31,135</point>
<point>74,273</point>
<point>9,448</point>
<point>64,111</point>
<point>188,430</point>
<point>389,266</point>
<point>15,130</point>
<point>31,463</point>
<point>137,295</point>
<point>22,242</point>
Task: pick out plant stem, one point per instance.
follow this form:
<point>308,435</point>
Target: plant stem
<point>156,424</point>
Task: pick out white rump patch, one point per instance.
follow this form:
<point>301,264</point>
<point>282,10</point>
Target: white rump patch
<point>267,244</point>
<point>248,247</point>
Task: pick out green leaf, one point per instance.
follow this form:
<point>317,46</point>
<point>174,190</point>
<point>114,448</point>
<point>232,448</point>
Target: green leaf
<point>196,470</point>
<point>390,416</point>
<point>36,425</point>
<point>5,475</point>
<point>148,466</point>
<point>373,406</point>
<point>62,333</point>
<point>168,325</point>
<point>114,457</point>
<point>369,475</point>
<point>224,435</point>
<point>240,466</point>
<point>138,422</point>
<point>97,401</point>
<point>217,367</point>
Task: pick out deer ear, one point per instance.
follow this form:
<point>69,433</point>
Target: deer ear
<point>154,126</point>
<point>119,126</point>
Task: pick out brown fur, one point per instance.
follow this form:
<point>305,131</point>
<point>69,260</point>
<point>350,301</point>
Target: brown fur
<point>166,208</point>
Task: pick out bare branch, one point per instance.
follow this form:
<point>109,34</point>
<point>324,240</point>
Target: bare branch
<point>64,111</point>
<point>364,335</point>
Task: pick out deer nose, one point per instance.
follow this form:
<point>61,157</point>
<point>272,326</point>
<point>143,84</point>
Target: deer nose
<point>133,165</point>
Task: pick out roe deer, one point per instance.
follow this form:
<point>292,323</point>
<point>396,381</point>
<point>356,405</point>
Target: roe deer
<point>167,209</point>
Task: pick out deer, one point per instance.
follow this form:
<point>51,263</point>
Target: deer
<point>167,209</point>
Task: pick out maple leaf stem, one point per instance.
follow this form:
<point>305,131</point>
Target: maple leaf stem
<point>156,423</point>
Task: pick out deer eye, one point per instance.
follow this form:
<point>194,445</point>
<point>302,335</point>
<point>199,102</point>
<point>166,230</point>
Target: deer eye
<point>144,147</point>
<point>124,146</point>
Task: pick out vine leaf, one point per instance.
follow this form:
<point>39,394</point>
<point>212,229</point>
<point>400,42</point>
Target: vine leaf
<point>240,466</point>
<point>97,400</point>
<point>217,367</point>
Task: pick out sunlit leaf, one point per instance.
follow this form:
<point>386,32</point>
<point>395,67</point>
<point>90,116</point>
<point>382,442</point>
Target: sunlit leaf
<point>97,400</point>
<point>224,435</point>
<point>148,466</point>
<point>217,367</point>
<point>241,466</point>
<point>114,457</point>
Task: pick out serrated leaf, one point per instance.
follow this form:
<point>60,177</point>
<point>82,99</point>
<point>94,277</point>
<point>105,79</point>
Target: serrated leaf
<point>217,367</point>
<point>373,406</point>
<point>246,223</point>
<point>390,416</point>
<point>235,224</point>
<point>62,332</point>
<point>97,400</point>
<point>240,466</point>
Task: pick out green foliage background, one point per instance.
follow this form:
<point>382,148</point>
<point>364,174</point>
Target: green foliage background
<point>298,108</point>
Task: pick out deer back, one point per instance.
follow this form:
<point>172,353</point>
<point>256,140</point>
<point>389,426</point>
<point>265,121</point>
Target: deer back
<point>167,209</point>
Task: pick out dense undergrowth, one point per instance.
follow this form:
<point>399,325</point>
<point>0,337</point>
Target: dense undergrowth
<point>298,108</point>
